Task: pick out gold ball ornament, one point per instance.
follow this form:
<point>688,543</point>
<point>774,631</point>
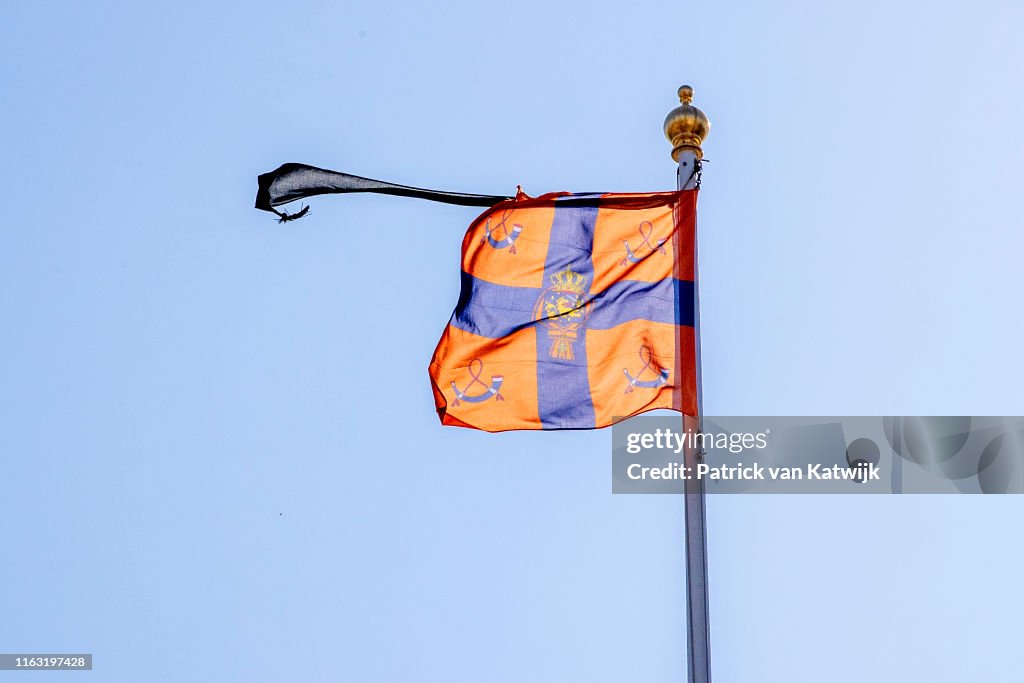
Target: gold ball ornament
<point>686,126</point>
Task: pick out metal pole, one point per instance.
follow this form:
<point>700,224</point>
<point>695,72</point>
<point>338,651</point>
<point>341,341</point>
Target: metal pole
<point>686,126</point>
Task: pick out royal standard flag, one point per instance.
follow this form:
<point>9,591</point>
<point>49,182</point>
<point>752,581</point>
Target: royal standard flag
<point>576,310</point>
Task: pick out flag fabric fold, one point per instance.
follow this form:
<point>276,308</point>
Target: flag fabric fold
<point>575,311</point>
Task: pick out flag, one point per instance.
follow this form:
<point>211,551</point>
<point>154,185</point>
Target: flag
<point>575,311</point>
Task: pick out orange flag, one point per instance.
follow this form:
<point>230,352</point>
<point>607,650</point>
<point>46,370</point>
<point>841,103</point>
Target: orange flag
<point>576,310</point>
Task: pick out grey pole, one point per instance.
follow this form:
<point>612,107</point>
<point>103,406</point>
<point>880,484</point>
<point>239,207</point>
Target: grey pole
<point>686,126</point>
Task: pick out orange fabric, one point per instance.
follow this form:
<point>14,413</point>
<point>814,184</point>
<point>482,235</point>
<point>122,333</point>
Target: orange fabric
<point>612,353</point>
<point>512,358</point>
<point>480,260</point>
<point>576,311</point>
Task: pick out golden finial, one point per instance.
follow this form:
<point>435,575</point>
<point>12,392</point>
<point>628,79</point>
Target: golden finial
<point>686,126</point>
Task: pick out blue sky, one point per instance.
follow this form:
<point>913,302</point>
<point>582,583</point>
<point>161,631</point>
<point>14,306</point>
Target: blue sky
<point>220,456</point>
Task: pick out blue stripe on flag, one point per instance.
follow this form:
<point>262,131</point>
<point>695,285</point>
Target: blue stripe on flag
<point>635,300</point>
<point>490,310</point>
<point>563,387</point>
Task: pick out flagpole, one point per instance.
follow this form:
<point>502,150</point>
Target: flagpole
<point>686,127</point>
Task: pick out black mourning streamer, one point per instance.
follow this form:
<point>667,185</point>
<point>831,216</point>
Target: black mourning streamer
<point>291,182</point>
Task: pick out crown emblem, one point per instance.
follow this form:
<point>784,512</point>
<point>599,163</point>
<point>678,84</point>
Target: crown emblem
<point>563,311</point>
<point>568,281</point>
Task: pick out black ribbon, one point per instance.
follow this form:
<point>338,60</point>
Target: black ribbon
<point>291,182</point>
